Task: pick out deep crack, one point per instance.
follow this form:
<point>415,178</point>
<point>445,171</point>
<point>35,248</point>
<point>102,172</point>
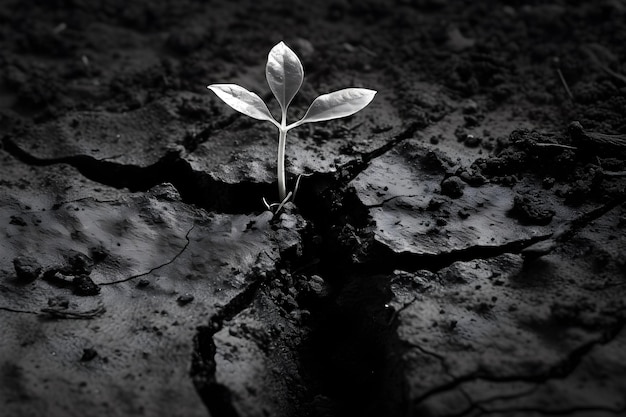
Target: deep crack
<point>528,247</point>
<point>353,349</point>
<point>352,169</point>
<point>434,262</point>
<point>195,187</point>
<point>215,395</point>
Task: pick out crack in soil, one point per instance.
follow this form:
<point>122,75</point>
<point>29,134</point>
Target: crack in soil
<point>242,198</point>
<point>316,184</point>
<point>349,356</point>
<point>195,187</point>
<point>477,405</point>
<point>61,313</point>
<point>58,313</point>
<point>560,370</point>
<point>433,262</point>
<point>353,347</point>
<point>216,396</point>
<point>482,410</point>
<point>331,220</point>
<point>156,267</point>
<point>561,412</point>
<point>352,169</point>
<point>14,310</point>
<point>530,248</point>
<point>387,200</point>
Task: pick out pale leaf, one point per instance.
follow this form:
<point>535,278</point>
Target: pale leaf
<point>243,101</point>
<point>338,104</point>
<point>284,74</point>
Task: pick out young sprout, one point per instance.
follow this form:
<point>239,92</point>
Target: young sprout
<point>284,75</point>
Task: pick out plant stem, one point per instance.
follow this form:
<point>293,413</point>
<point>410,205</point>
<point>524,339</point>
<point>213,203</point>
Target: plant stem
<point>282,139</point>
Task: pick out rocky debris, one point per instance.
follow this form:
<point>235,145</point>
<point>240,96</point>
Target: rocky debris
<point>532,209</point>
<point>78,264</point>
<point>165,192</point>
<point>452,187</point>
<point>288,227</point>
<point>84,286</point>
<point>315,287</point>
<point>472,141</point>
<point>471,177</point>
<point>27,268</point>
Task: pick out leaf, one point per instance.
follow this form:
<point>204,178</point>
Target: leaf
<point>284,74</point>
<point>337,104</point>
<point>243,101</point>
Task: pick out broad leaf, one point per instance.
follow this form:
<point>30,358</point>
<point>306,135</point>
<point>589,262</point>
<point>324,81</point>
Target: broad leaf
<point>243,101</point>
<point>284,74</point>
<point>338,104</point>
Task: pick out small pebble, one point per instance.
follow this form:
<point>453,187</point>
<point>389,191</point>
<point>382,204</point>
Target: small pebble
<point>143,283</point>
<point>452,187</point>
<point>185,299</point>
<point>472,141</point>
<point>317,285</point>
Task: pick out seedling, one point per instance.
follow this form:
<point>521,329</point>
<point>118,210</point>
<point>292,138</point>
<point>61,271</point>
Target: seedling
<point>284,75</point>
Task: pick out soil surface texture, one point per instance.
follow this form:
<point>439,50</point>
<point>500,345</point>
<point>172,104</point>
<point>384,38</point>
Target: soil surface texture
<point>457,248</point>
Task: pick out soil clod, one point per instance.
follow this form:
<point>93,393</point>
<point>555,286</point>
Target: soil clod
<point>452,187</point>
<point>89,354</point>
<point>27,268</point>
<point>83,285</point>
<point>532,210</point>
<point>185,299</point>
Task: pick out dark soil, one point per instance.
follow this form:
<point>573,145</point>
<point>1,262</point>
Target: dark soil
<point>455,249</point>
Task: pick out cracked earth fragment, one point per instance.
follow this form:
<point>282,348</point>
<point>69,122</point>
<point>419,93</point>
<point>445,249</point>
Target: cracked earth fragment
<point>203,259</point>
<point>418,217</point>
<point>480,338</point>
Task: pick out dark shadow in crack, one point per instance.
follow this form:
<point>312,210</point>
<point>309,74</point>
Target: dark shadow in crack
<point>351,354</point>
<point>197,188</point>
<point>215,396</point>
<point>350,357</point>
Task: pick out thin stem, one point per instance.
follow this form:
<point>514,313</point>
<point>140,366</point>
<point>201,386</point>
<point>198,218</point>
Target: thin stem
<point>282,189</point>
<point>282,139</point>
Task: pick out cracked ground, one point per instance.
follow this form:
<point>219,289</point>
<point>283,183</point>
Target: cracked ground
<point>455,249</point>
